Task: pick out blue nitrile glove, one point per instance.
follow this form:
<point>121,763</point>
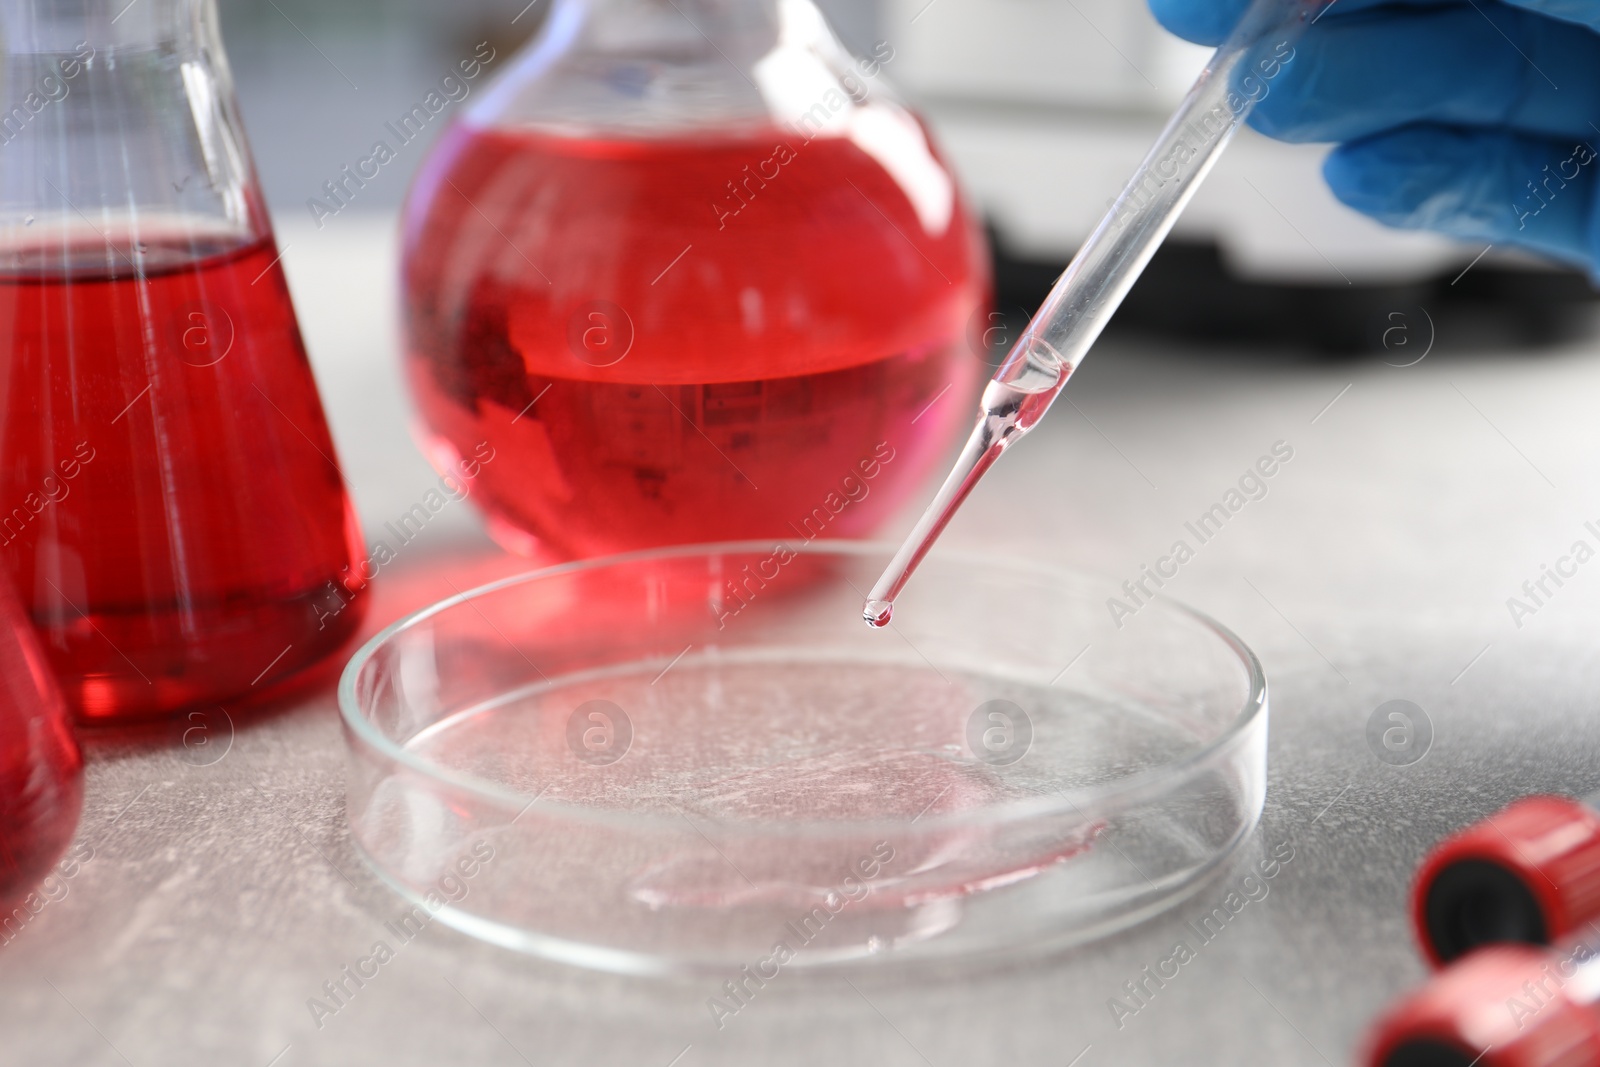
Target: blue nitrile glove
<point>1476,118</point>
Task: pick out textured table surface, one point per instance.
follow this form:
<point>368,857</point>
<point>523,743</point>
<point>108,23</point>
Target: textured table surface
<point>222,892</point>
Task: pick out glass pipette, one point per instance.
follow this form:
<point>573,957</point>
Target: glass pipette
<point>1035,371</point>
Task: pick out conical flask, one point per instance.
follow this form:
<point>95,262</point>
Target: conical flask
<point>41,770</point>
<point>687,270</point>
<point>171,508</point>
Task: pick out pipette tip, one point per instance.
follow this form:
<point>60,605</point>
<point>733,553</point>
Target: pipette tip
<point>877,613</point>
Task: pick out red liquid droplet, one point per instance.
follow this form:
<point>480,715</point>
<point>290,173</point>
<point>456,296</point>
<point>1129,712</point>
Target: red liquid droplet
<point>655,356</point>
<point>170,506</point>
<point>41,771</point>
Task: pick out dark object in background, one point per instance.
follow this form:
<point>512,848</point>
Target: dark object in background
<point>1188,293</point>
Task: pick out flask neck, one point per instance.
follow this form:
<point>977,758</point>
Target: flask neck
<point>654,68</point>
<point>120,143</point>
<point>667,25</point>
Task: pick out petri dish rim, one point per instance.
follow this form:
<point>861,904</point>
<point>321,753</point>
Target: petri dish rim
<point>1160,778</point>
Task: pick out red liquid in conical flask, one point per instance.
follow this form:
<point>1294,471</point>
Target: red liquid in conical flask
<point>41,771</point>
<point>658,356</point>
<point>170,505</point>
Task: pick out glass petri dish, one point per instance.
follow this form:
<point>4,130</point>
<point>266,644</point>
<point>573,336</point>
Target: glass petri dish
<point>699,758</point>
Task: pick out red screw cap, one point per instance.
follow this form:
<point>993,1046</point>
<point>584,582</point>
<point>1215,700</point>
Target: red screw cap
<point>1502,1006</point>
<point>1530,873</point>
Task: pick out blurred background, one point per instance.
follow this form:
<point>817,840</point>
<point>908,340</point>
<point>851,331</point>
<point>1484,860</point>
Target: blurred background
<point>1422,494</point>
<point>1045,106</point>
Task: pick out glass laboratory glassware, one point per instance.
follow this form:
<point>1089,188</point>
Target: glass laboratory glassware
<point>688,270</point>
<point>170,505</point>
<point>41,770</point>
<point>634,784</point>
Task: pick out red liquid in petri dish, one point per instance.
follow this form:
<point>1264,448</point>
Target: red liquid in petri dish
<point>41,770</point>
<point>686,341</point>
<point>170,507</point>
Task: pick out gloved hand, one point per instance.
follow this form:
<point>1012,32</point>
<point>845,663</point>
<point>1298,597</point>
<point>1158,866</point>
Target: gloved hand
<point>1476,118</point>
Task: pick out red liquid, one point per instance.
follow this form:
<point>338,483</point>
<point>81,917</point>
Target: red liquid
<point>170,507</point>
<point>656,360</point>
<point>41,771</point>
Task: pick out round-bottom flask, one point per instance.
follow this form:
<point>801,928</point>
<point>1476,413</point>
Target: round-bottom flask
<point>690,272</point>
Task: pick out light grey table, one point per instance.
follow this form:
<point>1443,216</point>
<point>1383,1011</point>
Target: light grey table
<point>220,896</point>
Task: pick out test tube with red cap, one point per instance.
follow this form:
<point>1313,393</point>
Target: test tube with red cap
<point>1502,1006</point>
<point>1529,873</point>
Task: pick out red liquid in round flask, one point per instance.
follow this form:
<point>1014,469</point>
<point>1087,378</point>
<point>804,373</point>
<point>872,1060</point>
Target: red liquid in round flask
<point>171,509</point>
<point>41,771</point>
<point>693,274</point>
